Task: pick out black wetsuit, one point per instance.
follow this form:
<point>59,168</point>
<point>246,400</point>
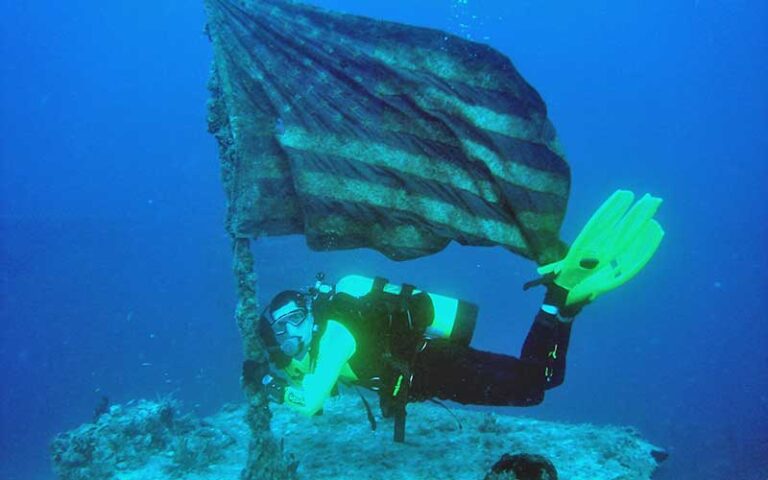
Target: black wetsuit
<point>444,369</point>
<point>469,376</point>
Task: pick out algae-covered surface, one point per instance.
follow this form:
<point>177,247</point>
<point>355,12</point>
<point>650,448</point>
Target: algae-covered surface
<point>144,441</point>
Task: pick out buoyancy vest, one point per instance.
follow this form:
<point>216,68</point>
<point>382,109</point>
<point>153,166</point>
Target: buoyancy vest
<point>391,325</point>
<point>390,321</point>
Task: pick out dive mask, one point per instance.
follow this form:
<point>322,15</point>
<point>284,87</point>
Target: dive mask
<point>292,327</point>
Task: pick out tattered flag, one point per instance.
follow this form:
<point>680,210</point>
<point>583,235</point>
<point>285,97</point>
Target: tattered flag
<point>362,133</point>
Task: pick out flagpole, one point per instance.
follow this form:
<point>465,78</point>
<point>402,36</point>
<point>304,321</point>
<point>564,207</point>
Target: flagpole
<point>266,459</point>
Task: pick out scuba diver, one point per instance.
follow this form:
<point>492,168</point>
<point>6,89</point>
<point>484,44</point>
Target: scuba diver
<point>412,345</point>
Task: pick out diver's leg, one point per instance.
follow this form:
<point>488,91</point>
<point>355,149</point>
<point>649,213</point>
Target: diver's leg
<point>470,376</point>
<point>546,346</point>
<point>465,375</point>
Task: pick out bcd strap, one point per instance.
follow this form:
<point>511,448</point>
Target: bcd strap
<point>406,293</point>
<point>394,393</point>
<point>378,284</point>
<point>400,424</point>
<point>368,411</point>
<point>399,401</point>
<point>394,396</point>
<point>543,280</point>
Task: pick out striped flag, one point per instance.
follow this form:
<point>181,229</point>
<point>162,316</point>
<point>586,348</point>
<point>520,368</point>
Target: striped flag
<point>361,133</point>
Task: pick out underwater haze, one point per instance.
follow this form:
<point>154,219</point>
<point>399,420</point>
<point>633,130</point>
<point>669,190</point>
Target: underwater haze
<point>116,269</point>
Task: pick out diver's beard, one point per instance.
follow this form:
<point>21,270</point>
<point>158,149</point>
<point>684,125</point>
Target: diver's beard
<point>300,351</point>
<point>293,348</point>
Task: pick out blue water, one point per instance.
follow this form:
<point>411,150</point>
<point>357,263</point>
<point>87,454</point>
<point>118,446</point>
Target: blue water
<point>115,266</point>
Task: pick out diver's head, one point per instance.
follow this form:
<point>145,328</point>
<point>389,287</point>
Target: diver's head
<point>286,327</point>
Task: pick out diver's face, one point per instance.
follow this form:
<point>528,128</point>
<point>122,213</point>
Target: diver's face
<point>299,337</point>
<point>293,330</point>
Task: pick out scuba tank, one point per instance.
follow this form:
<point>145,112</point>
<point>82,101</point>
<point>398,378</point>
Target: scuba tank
<point>448,318</point>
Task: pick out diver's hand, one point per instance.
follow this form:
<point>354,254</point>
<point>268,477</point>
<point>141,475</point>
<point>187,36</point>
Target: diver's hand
<point>274,387</point>
<point>253,371</point>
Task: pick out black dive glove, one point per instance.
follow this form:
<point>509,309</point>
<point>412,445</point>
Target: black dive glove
<point>274,387</point>
<point>256,375</point>
<point>253,371</point>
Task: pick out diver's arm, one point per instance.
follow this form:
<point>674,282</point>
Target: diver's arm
<point>336,347</point>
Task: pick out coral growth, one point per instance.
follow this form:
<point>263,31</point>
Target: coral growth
<point>149,440</point>
<point>125,438</point>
